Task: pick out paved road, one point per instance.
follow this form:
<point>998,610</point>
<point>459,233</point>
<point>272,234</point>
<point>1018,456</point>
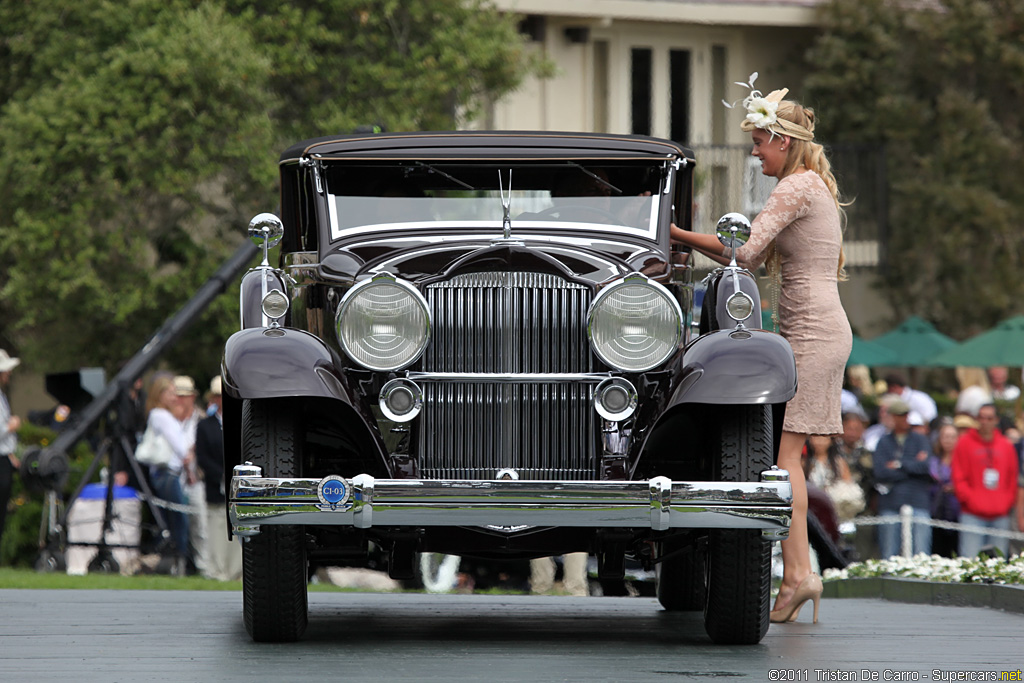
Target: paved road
<point>129,636</point>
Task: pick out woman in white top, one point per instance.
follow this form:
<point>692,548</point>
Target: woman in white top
<point>161,405</point>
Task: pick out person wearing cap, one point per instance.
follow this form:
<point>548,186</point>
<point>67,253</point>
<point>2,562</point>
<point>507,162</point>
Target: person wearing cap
<point>223,560</point>
<point>9,425</point>
<point>919,401</point>
<point>964,422</point>
<point>903,477</point>
<point>190,416</point>
<point>882,426</point>
<point>984,471</point>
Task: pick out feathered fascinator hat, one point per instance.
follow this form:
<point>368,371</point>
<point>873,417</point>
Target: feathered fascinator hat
<point>768,112</point>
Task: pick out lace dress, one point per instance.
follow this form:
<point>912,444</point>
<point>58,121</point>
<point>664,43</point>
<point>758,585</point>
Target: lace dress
<point>801,217</point>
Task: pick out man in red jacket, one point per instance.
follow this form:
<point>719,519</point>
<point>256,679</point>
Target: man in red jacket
<point>985,481</point>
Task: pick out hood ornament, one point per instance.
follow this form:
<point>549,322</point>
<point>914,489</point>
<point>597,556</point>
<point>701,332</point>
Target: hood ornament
<point>506,205</point>
<point>506,210</point>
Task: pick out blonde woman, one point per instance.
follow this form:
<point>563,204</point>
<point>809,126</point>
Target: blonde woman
<point>161,408</point>
<point>798,236</point>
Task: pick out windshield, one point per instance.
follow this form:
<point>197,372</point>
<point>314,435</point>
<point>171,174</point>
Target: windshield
<point>623,198</point>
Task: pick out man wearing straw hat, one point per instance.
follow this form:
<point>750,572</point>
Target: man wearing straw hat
<point>9,425</point>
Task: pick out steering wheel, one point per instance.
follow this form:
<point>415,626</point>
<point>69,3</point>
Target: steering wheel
<point>559,210</point>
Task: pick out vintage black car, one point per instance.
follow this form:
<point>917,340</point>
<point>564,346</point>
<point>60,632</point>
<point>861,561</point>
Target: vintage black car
<point>481,344</point>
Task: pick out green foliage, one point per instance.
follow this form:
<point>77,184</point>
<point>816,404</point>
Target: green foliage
<point>426,65</point>
<point>138,138</point>
<point>942,89</point>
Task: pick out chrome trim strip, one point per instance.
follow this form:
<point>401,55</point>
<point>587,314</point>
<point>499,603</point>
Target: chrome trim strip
<point>659,503</point>
<point>511,378</point>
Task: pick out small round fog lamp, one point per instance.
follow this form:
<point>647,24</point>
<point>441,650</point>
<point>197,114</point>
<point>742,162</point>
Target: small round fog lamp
<point>615,399</point>
<point>275,304</point>
<point>401,400</point>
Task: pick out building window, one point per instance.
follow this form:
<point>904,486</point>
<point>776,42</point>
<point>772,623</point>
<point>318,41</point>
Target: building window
<point>641,90</point>
<point>679,104</point>
<point>718,86</point>
<point>601,99</point>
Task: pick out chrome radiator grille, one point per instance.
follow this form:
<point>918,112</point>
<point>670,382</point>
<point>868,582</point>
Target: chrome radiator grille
<point>507,323</point>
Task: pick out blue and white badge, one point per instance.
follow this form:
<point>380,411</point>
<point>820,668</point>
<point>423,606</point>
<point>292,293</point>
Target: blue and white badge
<point>333,491</point>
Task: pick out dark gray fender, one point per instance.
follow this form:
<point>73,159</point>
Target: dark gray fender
<point>737,367</point>
<point>278,362</point>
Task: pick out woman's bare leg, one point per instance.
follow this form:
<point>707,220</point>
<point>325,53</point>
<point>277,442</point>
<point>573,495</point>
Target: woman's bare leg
<point>796,554</point>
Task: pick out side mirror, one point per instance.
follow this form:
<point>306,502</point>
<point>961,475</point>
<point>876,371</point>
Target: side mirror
<point>733,230</point>
<point>266,231</point>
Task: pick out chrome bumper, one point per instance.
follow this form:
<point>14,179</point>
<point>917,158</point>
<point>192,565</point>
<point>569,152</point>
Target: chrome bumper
<point>365,502</point>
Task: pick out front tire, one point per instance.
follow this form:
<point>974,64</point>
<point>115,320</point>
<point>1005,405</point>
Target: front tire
<point>679,579</point>
<point>274,566</point>
<point>739,561</point>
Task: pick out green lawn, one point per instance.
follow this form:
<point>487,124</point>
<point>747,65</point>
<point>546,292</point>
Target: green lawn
<point>27,578</point>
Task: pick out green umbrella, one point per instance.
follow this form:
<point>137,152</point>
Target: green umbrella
<point>1002,345</point>
<point>871,354</point>
<point>915,341</point>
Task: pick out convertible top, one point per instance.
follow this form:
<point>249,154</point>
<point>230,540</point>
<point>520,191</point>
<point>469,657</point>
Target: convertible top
<point>487,145</point>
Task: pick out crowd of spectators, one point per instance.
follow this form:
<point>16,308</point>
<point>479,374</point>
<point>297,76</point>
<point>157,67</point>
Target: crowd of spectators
<point>191,487</point>
<point>963,467</point>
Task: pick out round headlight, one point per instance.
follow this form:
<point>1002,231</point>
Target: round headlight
<point>635,324</point>
<point>275,304</point>
<point>383,323</point>
<point>739,306</point>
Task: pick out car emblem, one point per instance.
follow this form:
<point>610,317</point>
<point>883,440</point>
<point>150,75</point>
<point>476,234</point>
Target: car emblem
<point>333,491</point>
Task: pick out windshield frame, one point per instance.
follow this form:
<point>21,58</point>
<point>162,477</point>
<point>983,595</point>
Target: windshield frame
<point>534,208</point>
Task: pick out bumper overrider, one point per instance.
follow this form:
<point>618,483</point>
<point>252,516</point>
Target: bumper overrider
<point>364,502</point>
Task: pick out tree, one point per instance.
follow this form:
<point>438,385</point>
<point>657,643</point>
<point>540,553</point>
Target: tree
<point>941,85</point>
<point>138,138</point>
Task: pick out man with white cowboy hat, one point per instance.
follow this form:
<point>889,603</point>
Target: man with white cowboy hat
<point>9,425</point>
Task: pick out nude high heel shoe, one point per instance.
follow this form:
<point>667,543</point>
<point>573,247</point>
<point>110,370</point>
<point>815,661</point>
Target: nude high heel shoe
<point>809,589</point>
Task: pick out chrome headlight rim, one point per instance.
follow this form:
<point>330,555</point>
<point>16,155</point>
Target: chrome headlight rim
<point>663,293</point>
<point>361,288</point>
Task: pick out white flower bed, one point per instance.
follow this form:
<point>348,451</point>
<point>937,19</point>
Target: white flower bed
<point>935,568</point>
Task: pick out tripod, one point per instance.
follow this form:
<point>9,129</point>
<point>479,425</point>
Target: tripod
<point>52,557</point>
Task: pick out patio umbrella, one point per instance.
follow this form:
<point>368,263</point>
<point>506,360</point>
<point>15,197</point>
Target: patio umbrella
<point>870,354</point>
<point>1002,345</point>
<point>915,341</point>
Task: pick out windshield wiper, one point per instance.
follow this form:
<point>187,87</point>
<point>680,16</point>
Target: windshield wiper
<point>434,169</point>
<point>596,177</point>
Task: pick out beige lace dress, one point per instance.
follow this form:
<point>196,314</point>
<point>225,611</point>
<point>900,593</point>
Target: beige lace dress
<point>801,217</point>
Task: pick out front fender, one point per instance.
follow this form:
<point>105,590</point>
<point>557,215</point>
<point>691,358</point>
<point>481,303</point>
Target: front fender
<point>737,367</point>
<point>278,362</point>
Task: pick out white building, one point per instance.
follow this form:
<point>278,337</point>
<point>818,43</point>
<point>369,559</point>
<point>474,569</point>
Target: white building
<point>663,68</point>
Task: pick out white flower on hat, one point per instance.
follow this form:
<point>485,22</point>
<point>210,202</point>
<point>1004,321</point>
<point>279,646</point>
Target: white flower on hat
<point>760,111</point>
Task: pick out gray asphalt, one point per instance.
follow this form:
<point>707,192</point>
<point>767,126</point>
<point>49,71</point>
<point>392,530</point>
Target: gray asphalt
<point>127,636</point>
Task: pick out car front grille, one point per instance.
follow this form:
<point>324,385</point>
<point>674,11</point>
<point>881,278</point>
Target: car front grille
<point>507,323</point>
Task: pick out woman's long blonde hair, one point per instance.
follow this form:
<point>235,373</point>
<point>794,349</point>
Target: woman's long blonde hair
<point>810,155</point>
<point>156,390</point>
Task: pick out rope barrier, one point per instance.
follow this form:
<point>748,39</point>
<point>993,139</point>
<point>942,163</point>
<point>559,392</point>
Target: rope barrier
<point>939,524</point>
<point>166,504</point>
